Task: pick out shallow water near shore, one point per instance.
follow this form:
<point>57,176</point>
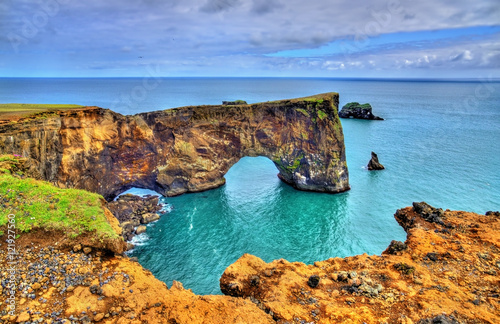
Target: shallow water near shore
<point>439,143</point>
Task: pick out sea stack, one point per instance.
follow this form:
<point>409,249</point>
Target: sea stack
<point>358,111</point>
<point>374,164</point>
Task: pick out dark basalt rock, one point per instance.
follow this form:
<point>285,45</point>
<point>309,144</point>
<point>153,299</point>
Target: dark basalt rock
<point>313,281</point>
<point>429,213</point>
<point>493,213</point>
<point>374,164</point>
<point>133,211</point>
<point>440,319</point>
<point>358,111</point>
<point>395,247</point>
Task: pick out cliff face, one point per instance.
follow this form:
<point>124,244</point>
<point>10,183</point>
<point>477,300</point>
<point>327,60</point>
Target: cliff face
<point>182,150</point>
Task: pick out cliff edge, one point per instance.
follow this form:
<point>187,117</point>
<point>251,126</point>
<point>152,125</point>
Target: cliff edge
<point>181,150</point>
<point>447,271</point>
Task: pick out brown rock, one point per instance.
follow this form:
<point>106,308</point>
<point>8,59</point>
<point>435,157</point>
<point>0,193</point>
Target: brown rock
<point>141,229</point>
<point>77,248</point>
<point>303,137</point>
<point>23,317</point>
<point>99,317</point>
<point>87,250</point>
<point>149,217</point>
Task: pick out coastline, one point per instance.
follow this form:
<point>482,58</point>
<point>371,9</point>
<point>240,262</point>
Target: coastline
<point>480,233</point>
<point>406,284</point>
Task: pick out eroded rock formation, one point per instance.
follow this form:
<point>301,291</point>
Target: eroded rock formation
<point>374,164</point>
<point>185,149</point>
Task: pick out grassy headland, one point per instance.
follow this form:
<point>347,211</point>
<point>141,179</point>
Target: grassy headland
<point>40,205</point>
<point>13,110</point>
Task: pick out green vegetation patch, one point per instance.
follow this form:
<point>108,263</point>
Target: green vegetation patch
<point>40,110</point>
<point>321,114</point>
<point>315,100</point>
<point>38,204</point>
<point>17,107</point>
<point>356,105</point>
<point>404,268</point>
<point>303,111</point>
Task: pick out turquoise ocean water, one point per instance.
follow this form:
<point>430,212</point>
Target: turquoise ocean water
<point>439,143</point>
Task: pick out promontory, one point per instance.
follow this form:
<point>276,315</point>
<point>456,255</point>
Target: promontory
<point>181,150</point>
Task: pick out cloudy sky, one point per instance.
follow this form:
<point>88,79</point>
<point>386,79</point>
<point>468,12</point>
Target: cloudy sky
<point>324,38</point>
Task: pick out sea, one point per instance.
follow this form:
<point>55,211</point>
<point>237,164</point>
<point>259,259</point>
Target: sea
<point>439,143</point>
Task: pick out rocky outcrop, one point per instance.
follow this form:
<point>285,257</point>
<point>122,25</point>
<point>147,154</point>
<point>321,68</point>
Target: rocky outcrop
<point>133,211</point>
<point>62,286</point>
<point>446,272</point>
<point>182,150</point>
<point>358,111</point>
<point>374,164</point>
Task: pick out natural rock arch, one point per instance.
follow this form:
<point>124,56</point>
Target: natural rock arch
<point>186,149</point>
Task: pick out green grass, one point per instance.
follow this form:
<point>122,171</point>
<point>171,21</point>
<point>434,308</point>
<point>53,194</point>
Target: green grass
<point>17,107</point>
<point>40,111</point>
<point>38,204</point>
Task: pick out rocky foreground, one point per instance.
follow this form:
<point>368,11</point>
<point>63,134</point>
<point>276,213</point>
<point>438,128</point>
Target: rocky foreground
<point>446,272</point>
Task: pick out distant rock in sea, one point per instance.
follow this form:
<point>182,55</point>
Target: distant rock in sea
<point>374,164</point>
<point>358,111</point>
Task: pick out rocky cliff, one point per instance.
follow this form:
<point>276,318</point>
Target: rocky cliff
<point>447,271</point>
<point>185,149</point>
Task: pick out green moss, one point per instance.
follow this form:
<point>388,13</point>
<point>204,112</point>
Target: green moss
<point>296,163</point>
<point>356,105</point>
<point>290,168</point>
<point>315,100</point>
<point>303,111</point>
<point>404,268</point>
<point>38,204</point>
<point>321,114</point>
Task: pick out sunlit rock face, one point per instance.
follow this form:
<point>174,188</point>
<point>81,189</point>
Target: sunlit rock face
<point>186,149</point>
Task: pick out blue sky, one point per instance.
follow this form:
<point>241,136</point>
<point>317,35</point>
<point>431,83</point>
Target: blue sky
<point>334,38</point>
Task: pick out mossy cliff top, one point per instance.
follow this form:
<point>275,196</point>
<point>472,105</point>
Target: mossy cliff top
<point>14,111</point>
<point>37,205</point>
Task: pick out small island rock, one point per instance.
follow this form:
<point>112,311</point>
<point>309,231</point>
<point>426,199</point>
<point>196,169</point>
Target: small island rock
<point>374,164</point>
<point>358,111</point>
